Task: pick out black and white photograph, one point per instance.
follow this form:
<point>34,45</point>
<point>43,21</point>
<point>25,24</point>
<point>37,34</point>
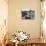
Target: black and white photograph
<point>30,14</point>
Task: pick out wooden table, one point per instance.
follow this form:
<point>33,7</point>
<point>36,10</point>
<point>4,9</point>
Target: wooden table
<point>33,42</point>
<point>10,44</point>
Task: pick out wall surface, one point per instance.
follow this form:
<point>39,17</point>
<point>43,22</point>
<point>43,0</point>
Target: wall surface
<point>15,21</point>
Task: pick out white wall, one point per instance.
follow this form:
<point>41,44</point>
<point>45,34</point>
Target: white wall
<point>15,21</point>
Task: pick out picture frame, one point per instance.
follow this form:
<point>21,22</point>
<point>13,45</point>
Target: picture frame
<point>28,14</point>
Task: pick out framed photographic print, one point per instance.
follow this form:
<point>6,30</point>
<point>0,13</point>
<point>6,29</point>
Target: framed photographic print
<point>28,14</point>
